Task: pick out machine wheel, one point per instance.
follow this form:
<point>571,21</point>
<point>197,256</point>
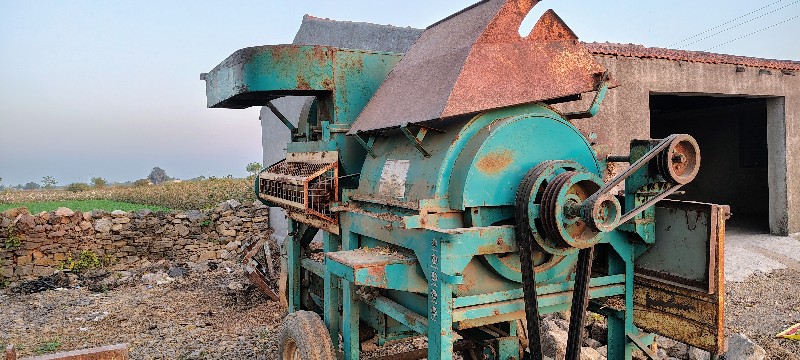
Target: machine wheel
<point>304,337</point>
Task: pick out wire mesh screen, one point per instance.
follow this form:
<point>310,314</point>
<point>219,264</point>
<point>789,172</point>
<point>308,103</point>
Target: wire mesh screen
<point>322,192</point>
<point>308,187</point>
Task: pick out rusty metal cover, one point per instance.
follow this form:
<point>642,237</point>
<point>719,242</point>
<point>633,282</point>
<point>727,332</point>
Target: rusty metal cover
<point>679,287</point>
<point>476,60</point>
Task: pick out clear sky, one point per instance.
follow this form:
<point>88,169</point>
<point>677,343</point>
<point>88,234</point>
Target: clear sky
<point>112,89</point>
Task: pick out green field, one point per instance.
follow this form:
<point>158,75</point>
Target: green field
<point>81,205</point>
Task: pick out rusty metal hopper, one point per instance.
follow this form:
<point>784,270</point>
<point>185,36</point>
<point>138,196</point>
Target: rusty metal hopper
<point>476,60</point>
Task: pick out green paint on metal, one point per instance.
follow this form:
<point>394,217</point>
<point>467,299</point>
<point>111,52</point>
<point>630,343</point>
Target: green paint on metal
<point>405,316</point>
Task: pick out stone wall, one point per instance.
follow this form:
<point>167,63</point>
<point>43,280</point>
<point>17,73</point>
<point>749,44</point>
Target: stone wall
<point>37,245</point>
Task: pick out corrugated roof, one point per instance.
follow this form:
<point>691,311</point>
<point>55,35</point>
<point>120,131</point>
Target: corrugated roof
<point>639,51</point>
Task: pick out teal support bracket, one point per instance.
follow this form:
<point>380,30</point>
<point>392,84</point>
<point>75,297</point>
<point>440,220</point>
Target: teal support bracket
<point>592,111</point>
<point>351,313</point>
<point>416,140</point>
<point>641,345</point>
<point>367,145</point>
<point>401,313</point>
<point>292,244</point>
<point>326,130</point>
<point>283,119</point>
<point>332,300</point>
<point>313,267</point>
<point>338,128</point>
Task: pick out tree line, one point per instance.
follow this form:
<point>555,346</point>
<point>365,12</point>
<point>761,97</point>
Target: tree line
<point>157,175</point>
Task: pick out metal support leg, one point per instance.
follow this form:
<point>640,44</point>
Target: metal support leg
<point>440,322</point>
<point>508,348</point>
<point>293,268</point>
<point>350,318</point>
<point>332,297</point>
<point>440,309</point>
<point>619,345</point>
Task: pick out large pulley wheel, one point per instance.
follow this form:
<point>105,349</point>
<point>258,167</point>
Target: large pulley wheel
<point>304,336</point>
<point>552,197</point>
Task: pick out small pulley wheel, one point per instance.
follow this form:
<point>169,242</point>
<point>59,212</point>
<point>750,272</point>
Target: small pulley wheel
<point>680,162</point>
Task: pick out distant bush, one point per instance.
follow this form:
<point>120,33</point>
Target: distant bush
<point>99,182</point>
<point>188,194</point>
<point>77,187</point>
<point>141,182</point>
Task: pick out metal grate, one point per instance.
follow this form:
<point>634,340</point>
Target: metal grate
<point>302,186</point>
<point>322,192</point>
<point>295,168</point>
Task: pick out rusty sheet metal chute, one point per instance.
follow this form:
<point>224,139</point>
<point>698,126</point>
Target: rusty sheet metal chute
<point>476,61</point>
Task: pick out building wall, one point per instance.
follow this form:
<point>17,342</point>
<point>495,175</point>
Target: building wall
<point>625,115</point>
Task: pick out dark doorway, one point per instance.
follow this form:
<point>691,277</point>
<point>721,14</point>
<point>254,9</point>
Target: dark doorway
<point>732,134</point>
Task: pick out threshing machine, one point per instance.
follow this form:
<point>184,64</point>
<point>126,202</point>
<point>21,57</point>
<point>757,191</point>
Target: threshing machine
<point>457,202</point>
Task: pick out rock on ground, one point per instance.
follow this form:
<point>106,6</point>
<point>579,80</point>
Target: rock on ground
<point>740,347</point>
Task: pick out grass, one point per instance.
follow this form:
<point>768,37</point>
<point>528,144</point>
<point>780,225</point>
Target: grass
<point>186,195</point>
<point>81,205</point>
<point>47,347</point>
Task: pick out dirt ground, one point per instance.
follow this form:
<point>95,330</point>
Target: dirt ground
<point>762,306</point>
<point>215,314</point>
<point>210,315</point>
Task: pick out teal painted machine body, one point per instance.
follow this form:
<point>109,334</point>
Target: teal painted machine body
<point>419,226</point>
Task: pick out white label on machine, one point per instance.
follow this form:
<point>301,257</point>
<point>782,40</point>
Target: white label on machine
<point>393,178</point>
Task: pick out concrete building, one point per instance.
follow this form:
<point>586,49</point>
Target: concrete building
<point>744,112</point>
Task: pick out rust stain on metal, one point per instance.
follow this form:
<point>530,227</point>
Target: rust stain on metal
<point>377,273</point>
<point>302,84</point>
<point>320,54</point>
<point>495,162</point>
<point>551,27</point>
<point>280,52</point>
<point>640,51</point>
<point>327,84</point>
<point>476,61</point>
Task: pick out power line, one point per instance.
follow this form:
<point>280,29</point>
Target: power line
<point>740,24</point>
<point>754,32</point>
<point>725,23</point>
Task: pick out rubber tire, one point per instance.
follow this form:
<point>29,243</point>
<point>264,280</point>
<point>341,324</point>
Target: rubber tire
<point>304,331</point>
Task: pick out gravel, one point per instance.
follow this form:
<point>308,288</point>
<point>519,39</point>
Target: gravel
<point>762,306</point>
